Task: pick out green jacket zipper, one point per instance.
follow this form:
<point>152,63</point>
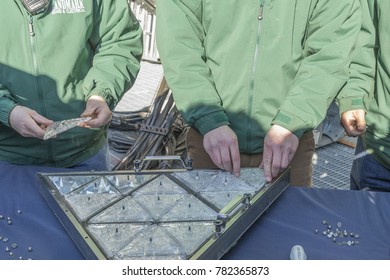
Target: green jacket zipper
<point>254,67</point>
<point>38,84</point>
<point>32,43</point>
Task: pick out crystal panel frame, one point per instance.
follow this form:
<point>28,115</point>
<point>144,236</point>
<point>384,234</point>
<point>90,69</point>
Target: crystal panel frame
<point>161,214</point>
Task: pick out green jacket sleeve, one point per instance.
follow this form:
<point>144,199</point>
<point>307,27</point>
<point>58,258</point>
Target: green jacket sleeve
<point>360,86</point>
<point>331,35</point>
<point>117,40</point>
<point>7,103</point>
<point>180,22</point>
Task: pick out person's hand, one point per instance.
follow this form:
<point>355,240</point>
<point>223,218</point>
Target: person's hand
<point>354,122</point>
<point>279,148</point>
<point>98,110</point>
<point>222,146</point>
<point>27,122</point>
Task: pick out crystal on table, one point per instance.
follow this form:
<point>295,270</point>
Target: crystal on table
<point>66,184</point>
<point>190,208</point>
<point>127,183</point>
<point>190,235</point>
<point>126,210</point>
<point>114,237</point>
<point>92,197</point>
<point>152,243</point>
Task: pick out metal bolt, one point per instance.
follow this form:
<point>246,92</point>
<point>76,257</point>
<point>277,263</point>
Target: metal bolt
<point>218,227</point>
<point>137,165</point>
<point>247,200</point>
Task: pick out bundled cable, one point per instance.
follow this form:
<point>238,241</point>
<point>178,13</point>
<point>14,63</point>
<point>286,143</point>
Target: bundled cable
<point>160,133</point>
<point>124,127</point>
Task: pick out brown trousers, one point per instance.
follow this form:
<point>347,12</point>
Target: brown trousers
<point>301,166</point>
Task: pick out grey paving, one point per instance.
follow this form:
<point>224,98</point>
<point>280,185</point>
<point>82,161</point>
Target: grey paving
<point>142,93</point>
<point>332,165</point>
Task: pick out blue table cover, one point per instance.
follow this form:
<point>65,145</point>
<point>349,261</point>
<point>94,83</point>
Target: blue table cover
<point>30,230</point>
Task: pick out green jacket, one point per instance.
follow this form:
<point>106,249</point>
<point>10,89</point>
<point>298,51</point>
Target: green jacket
<point>53,62</point>
<point>375,45</point>
<point>359,88</point>
<point>250,64</point>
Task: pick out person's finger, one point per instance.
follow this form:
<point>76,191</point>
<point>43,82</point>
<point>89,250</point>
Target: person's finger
<point>236,161</point>
<point>215,156</point>
<point>285,160</point>
<point>266,164</point>
<point>226,158</point>
<point>39,119</point>
<point>276,163</point>
<point>38,132</point>
<point>361,122</point>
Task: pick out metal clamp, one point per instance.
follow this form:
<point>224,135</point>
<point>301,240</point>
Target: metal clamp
<point>240,201</point>
<point>187,164</point>
<point>219,227</point>
<point>154,129</point>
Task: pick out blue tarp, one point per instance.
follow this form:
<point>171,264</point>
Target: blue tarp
<point>295,218</point>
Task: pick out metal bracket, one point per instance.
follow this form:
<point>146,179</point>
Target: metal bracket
<point>187,164</point>
<point>154,129</point>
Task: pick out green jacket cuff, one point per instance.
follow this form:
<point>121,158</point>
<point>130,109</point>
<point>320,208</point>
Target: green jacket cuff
<point>348,104</point>
<point>291,122</point>
<point>6,106</point>
<point>106,94</point>
<point>211,121</point>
